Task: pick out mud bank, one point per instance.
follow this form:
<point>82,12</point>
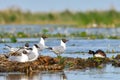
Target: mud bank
<point>47,63</point>
<point>116,61</point>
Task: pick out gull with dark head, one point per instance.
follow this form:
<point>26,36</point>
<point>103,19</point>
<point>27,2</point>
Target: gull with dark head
<point>19,57</point>
<point>41,43</point>
<point>16,50</point>
<point>34,53</point>
<point>28,54</point>
<point>59,49</point>
<point>12,49</point>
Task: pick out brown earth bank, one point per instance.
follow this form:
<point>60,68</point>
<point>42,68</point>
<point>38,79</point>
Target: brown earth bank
<point>47,63</point>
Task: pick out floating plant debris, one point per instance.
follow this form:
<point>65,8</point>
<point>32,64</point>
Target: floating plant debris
<point>47,63</point>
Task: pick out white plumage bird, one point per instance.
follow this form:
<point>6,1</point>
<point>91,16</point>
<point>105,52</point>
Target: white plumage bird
<point>26,55</point>
<point>11,49</point>
<point>59,49</point>
<point>41,44</point>
<point>19,57</point>
<point>34,53</point>
<point>16,50</point>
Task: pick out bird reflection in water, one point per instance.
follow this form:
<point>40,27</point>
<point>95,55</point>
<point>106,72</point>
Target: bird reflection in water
<point>38,76</point>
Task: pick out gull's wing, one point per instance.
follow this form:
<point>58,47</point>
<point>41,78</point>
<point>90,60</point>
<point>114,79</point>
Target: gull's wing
<point>58,49</point>
<point>31,56</point>
<point>41,47</point>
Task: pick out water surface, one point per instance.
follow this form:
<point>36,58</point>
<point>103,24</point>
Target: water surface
<point>75,48</point>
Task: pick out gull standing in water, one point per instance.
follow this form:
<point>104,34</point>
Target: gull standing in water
<point>33,54</point>
<point>59,49</point>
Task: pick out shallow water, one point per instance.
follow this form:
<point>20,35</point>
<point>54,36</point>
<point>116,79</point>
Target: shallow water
<point>107,73</point>
<point>53,29</point>
<point>75,48</point>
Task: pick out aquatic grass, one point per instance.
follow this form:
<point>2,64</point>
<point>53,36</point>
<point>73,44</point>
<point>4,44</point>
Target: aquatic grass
<point>61,60</point>
<point>83,35</point>
<point>112,57</point>
<point>13,39</point>
<point>59,57</point>
<point>21,35</point>
<point>97,60</point>
<point>45,31</point>
<point>69,64</point>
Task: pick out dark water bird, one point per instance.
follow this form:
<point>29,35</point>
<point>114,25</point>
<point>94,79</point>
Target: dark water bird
<point>98,53</point>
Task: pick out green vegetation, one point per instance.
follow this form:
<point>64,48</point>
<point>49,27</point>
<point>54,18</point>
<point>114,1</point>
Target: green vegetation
<point>13,39</point>
<point>83,35</point>
<point>109,18</point>
<point>91,36</point>
<point>62,60</point>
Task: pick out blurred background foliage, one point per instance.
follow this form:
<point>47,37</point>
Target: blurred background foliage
<point>103,18</point>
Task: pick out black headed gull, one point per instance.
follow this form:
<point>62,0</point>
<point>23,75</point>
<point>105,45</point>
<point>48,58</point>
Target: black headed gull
<point>11,49</point>
<point>33,54</point>
<point>19,57</point>
<point>16,50</point>
<point>41,44</point>
<point>59,49</point>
